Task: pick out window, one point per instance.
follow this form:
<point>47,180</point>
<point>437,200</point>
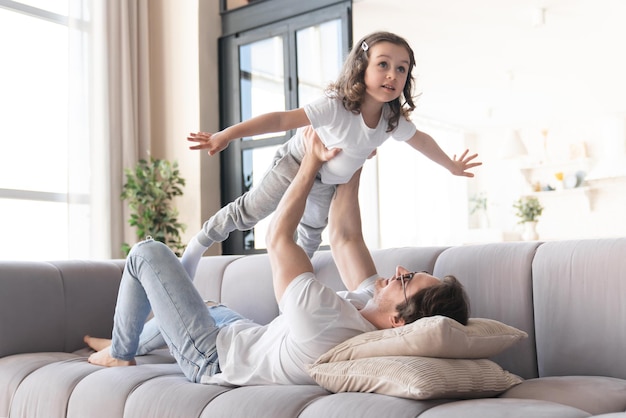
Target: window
<point>281,65</point>
<point>43,178</point>
<point>428,205</point>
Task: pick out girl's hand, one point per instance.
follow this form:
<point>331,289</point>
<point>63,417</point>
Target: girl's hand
<point>214,143</point>
<point>463,163</point>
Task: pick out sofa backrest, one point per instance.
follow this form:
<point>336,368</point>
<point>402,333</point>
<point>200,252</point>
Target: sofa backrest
<point>579,290</point>
<point>247,281</point>
<point>498,281</point>
<point>50,306</point>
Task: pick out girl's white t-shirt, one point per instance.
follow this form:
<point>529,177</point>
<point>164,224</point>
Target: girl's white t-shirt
<point>314,319</point>
<point>340,128</point>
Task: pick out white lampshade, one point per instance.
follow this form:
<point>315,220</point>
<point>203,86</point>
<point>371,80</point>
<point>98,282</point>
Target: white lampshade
<point>513,146</point>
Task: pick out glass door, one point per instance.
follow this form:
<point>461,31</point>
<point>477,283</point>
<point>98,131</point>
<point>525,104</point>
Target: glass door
<point>274,68</point>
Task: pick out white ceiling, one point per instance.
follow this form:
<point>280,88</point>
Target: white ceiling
<point>486,63</point>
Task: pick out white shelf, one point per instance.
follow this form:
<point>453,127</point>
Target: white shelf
<point>584,191</point>
<point>545,173</point>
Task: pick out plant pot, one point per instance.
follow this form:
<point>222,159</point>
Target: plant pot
<point>529,232</point>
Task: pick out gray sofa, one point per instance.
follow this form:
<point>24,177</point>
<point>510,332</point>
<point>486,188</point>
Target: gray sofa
<point>569,296</point>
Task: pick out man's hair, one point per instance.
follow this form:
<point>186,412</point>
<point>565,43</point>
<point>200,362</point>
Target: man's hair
<point>447,298</point>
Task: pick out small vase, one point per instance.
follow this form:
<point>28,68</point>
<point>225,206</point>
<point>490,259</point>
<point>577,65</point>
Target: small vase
<point>530,231</point>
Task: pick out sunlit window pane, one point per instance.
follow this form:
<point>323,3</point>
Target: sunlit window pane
<point>31,230</point>
<point>262,79</point>
<point>319,59</point>
<point>33,103</point>
<point>43,219</point>
<point>428,206</point>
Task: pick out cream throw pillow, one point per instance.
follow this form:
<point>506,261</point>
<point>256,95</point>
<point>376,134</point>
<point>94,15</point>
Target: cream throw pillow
<point>415,377</point>
<point>434,336</point>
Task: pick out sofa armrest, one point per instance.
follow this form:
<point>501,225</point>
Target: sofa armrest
<point>50,306</point>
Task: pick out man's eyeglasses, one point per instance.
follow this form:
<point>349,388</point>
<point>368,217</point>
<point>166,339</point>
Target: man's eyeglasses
<point>405,278</point>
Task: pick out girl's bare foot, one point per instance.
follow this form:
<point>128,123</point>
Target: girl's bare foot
<point>97,344</point>
<point>103,358</point>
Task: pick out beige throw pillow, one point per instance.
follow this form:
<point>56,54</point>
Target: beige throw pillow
<point>415,377</point>
<point>435,336</point>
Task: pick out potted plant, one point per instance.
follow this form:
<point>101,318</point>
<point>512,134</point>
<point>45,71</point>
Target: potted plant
<point>478,208</point>
<point>149,190</point>
<point>528,210</point>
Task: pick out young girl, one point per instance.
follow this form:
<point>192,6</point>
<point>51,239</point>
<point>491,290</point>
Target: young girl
<point>370,102</point>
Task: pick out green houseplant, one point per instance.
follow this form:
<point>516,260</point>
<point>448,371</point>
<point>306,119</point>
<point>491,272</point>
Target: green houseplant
<point>149,190</point>
<point>478,209</point>
<point>528,209</point>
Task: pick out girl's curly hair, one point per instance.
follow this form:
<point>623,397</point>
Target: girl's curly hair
<point>350,86</point>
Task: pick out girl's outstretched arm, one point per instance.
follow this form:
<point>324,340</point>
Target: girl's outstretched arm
<point>425,144</point>
<point>262,124</point>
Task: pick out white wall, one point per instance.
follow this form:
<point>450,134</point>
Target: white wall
<point>481,112</point>
<point>485,68</point>
<point>180,69</point>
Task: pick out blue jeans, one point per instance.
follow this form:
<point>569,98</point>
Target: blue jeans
<point>151,338</point>
<point>154,279</point>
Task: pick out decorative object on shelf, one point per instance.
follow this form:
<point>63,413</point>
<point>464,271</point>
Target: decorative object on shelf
<point>150,189</point>
<point>559,176</point>
<point>529,231</point>
<point>570,181</point>
<point>529,209</point>
<point>578,151</point>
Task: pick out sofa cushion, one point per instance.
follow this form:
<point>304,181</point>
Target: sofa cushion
<point>579,290</point>
<point>415,377</point>
<point>360,404</point>
<point>500,408</point>
<point>498,280</point>
<point>594,394</point>
<point>435,336</point>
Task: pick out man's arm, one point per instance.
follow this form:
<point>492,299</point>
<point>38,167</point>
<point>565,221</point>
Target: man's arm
<point>287,259</point>
<point>351,255</point>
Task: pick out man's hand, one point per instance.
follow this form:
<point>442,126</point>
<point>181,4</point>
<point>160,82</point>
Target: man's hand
<point>463,163</point>
<point>315,148</point>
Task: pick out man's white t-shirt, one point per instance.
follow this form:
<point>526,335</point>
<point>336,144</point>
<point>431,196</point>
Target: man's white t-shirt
<point>314,319</point>
<point>340,128</point>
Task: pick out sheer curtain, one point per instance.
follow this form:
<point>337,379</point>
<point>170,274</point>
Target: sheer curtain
<point>110,99</point>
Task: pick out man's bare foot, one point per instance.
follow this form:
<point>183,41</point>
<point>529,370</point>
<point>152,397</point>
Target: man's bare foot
<point>97,344</point>
<point>103,358</point>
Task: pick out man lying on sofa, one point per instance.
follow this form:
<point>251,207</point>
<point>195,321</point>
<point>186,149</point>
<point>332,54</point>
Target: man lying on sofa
<point>218,346</point>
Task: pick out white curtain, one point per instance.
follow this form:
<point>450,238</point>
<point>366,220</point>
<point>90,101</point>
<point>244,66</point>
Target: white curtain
<point>419,202</point>
<point>113,118</point>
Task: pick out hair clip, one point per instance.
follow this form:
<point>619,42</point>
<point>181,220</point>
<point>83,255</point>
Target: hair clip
<point>365,46</point>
